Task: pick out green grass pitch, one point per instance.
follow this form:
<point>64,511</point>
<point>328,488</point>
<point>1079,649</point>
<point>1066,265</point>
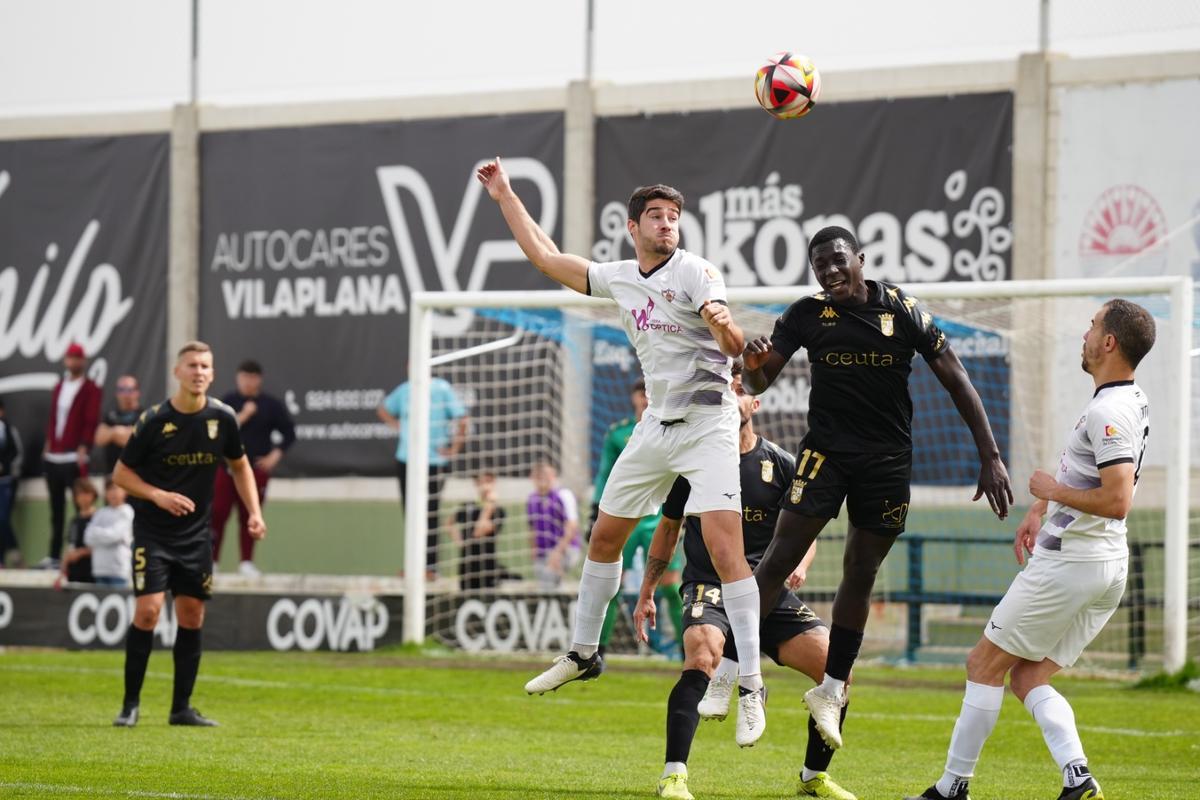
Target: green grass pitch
<point>399,725</point>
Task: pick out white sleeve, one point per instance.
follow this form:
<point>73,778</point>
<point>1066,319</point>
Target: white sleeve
<point>570,507</point>
<point>703,282</point>
<point>599,277</point>
<point>1114,436</point>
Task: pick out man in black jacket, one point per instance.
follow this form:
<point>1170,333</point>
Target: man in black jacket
<point>10,470</point>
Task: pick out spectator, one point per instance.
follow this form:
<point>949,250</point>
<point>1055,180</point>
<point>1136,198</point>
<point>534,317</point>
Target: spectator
<point>477,529</point>
<point>445,441</point>
<point>109,536</point>
<point>114,430</point>
<point>77,563</point>
<point>70,431</point>
<point>267,433</point>
<point>554,518</point>
<point>10,474</point>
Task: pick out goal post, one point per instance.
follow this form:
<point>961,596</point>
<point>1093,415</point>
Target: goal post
<point>1024,332</point>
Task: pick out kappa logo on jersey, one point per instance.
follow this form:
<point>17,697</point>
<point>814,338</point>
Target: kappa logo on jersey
<point>893,292</point>
<point>712,274</point>
<point>827,313</point>
<point>926,318</point>
<point>641,316</point>
<point>768,470</point>
<point>797,491</point>
<point>910,303</point>
<point>169,430</point>
<point>214,427</point>
<point>886,324</point>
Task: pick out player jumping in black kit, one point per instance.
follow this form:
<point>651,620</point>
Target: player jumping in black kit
<point>861,337</point>
<point>792,635</point>
<point>168,467</point>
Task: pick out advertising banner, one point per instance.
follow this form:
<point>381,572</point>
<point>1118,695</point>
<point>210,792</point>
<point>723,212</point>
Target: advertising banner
<point>83,259</point>
<point>313,240</point>
<point>1127,206</point>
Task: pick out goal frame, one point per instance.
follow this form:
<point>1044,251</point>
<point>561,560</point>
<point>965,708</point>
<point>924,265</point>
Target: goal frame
<point>1178,289</point>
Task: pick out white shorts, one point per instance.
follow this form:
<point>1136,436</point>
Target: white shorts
<point>703,449</point>
<point>1054,609</point>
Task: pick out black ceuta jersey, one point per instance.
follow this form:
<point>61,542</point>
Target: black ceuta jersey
<point>766,474</point>
<point>180,453</point>
<point>861,358</point>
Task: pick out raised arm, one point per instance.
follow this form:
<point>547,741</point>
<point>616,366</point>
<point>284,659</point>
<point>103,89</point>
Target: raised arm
<point>571,271</point>
<point>993,477</point>
<point>1111,499</point>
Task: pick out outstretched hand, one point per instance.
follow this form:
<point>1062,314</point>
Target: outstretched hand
<point>494,178</point>
<point>994,482</point>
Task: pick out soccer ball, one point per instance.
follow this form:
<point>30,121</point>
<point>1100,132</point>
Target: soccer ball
<point>787,86</point>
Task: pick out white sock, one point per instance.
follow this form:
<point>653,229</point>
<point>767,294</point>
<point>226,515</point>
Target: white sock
<point>807,774</point>
<point>728,668</point>
<point>832,687</point>
<point>741,606</point>
<point>980,710</point>
<point>1053,714</point>
<point>673,767</point>
<point>598,585</point>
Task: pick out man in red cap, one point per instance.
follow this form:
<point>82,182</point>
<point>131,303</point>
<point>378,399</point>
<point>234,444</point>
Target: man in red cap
<point>70,431</point>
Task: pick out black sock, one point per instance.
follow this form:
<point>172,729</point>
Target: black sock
<point>843,651</point>
<point>138,644</point>
<point>820,754</point>
<point>187,664</point>
<point>683,714</point>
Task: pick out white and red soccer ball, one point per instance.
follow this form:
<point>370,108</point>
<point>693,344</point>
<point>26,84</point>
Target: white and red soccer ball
<point>787,86</point>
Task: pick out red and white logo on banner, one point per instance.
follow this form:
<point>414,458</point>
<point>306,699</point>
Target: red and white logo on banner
<point>1125,220</point>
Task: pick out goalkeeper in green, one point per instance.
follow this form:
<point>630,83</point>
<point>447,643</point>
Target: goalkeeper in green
<point>668,591</point>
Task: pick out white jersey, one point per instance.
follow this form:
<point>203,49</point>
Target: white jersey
<point>685,371</point>
<point>1113,430</point>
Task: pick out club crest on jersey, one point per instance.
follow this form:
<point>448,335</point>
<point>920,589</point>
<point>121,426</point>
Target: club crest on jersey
<point>886,324</point>
<point>797,491</point>
<point>768,470</point>
<point>669,295</point>
<point>214,426</point>
<point>697,610</point>
<point>169,430</point>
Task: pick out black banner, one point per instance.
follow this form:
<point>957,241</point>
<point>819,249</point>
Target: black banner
<point>83,258</point>
<point>314,238</point>
<point>925,184</point>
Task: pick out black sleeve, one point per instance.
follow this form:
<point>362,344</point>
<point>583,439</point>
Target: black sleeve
<point>133,454</point>
<point>929,340</point>
<point>677,499</point>
<point>788,336</point>
<point>234,449</point>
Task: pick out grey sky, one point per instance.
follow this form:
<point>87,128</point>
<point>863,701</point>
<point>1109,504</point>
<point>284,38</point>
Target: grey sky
<point>70,56</point>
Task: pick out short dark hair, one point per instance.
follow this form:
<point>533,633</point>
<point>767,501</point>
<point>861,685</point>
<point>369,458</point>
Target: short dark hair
<point>830,234</point>
<point>1133,328</point>
<point>737,368</point>
<point>84,485</point>
<point>638,386</point>
<point>485,474</point>
<point>644,194</point>
<point>250,367</point>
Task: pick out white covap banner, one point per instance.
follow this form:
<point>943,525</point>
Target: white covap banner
<point>1128,205</point>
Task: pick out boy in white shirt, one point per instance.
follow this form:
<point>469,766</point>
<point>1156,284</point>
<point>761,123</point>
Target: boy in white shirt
<point>109,535</point>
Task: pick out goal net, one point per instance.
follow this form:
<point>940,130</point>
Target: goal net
<point>544,376</point>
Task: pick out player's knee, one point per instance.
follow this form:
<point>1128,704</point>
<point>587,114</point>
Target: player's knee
<point>146,617</point>
<point>1023,679</point>
<point>982,668</point>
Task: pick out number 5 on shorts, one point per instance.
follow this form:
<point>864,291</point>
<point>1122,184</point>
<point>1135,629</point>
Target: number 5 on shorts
<point>817,458</point>
<point>139,560</point>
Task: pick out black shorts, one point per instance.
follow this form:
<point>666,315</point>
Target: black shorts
<point>184,569</point>
<point>874,486</point>
<point>703,605</point>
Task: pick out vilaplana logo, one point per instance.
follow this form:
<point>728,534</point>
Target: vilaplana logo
<point>47,319</point>
<point>339,272</point>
